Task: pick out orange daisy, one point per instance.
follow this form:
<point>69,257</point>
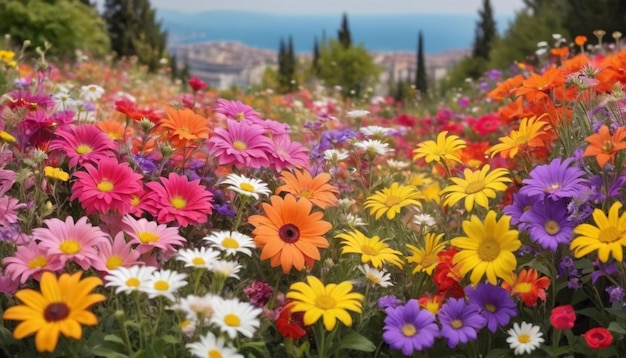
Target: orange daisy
<point>505,88</point>
<point>317,190</point>
<point>289,234</point>
<point>114,129</point>
<point>183,127</point>
<point>528,286</point>
<point>536,87</point>
<point>605,146</point>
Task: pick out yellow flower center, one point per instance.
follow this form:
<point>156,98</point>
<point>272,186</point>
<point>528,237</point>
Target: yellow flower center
<point>409,330</point>
<point>240,116</point>
<point>325,302</point>
<point>609,234</point>
<point>178,202</point>
<point>161,285</point>
<point>523,338</point>
<point>474,187</point>
<point>488,250</point>
<point>230,243</point>
<point>552,227</point>
<point>83,149</point>
<point>147,237</point>
<point>607,147</point>
<point>456,323</point>
<point>232,320</point>
<point>114,262</point>
<point>69,247</point>
<point>239,145</point>
<point>214,353</point>
<point>490,307</point>
<point>523,287</point>
<point>37,262</point>
<point>198,261</point>
<point>306,194</point>
<point>368,250</point>
<point>105,186</point>
<point>133,282</point>
<point>246,187</point>
<point>392,200</point>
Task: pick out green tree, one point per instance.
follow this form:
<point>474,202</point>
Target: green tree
<point>485,32</point>
<point>286,67</point>
<point>343,35</point>
<point>352,68</point>
<point>420,72</point>
<point>316,57</point>
<point>68,25</point>
<point>134,31</point>
<point>583,17</point>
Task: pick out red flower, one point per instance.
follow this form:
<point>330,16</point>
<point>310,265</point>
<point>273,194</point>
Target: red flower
<point>446,276</point>
<point>290,325</point>
<point>598,338</point>
<point>487,124</point>
<point>563,317</point>
<point>197,84</point>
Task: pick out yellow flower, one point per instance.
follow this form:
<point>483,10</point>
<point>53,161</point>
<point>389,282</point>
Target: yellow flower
<point>391,200</point>
<point>8,58</point>
<point>56,173</point>
<point>60,308</point>
<point>372,250</point>
<point>608,236</point>
<point>530,129</point>
<point>487,249</point>
<point>476,187</point>
<point>7,137</point>
<point>426,257</point>
<point>331,302</point>
<point>446,148</point>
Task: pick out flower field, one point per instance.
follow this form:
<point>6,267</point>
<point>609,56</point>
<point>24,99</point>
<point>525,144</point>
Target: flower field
<point>141,220</point>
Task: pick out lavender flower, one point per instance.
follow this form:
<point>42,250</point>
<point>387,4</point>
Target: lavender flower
<point>496,304</point>
<point>409,328</point>
<point>389,301</point>
<point>521,204</point>
<point>548,223</point>
<point>460,321</point>
<point>555,181</point>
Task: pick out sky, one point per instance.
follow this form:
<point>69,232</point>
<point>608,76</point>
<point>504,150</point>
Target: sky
<point>335,6</point>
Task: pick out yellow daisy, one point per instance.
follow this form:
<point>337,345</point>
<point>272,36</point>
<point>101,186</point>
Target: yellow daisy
<point>476,187</point>
<point>56,173</point>
<point>372,250</point>
<point>60,308</point>
<point>528,135</point>
<point>391,200</point>
<point>426,257</point>
<point>331,302</point>
<point>446,148</point>
<point>608,236</point>
<point>487,249</point>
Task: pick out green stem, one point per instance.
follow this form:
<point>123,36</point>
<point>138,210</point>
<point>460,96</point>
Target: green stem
<point>158,318</point>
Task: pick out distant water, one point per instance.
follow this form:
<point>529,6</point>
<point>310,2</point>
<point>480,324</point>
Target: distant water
<point>442,32</point>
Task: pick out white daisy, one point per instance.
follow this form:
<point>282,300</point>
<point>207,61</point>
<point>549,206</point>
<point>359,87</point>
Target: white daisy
<point>397,164</point>
<point>188,327</point>
<point>226,268</point>
<point>357,113</point>
<point>201,257</point>
<point>233,316</point>
<point>376,131</point>
<point>354,220</point>
<point>231,242</point>
<point>246,186</point>
<point>525,338</point>
<point>91,92</point>
<point>379,277</point>
<point>374,146</point>
<point>164,283</point>
<point>128,279</point>
<point>424,220</point>
<point>211,346</point>
<point>196,308</point>
<point>335,155</point>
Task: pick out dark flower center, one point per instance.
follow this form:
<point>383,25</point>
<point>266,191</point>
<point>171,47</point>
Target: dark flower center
<point>56,312</point>
<point>289,233</point>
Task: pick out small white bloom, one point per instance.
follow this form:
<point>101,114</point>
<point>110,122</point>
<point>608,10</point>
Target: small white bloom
<point>374,146</point>
<point>541,51</point>
<point>246,186</point>
<point>346,203</point>
<point>233,316</point>
<point>525,338</point>
<point>379,277</point>
<point>357,113</point>
<point>164,283</point>
<point>557,36</point>
<point>202,257</point>
<point>226,268</point>
<point>128,279</point>
<point>196,308</point>
<point>91,93</point>
<point>212,346</point>
<point>335,155</point>
<point>188,327</point>
<point>542,44</point>
<point>373,131</point>
<point>231,242</point>
<point>354,220</point>
<point>424,220</point>
<point>397,164</point>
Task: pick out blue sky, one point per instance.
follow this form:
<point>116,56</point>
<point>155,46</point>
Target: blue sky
<point>335,6</point>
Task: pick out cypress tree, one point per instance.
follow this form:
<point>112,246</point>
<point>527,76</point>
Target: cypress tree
<point>291,66</point>
<point>485,32</point>
<point>316,56</point>
<point>420,72</point>
<point>343,35</point>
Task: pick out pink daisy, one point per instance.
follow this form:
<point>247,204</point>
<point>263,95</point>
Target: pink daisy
<point>30,261</point>
<point>7,179</point>
<point>178,199</point>
<point>150,235</point>
<point>242,144</point>
<point>8,205</point>
<point>274,128</point>
<point>115,253</point>
<point>289,154</point>
<point>236,110</point>
<point>83,143</point>
<point>70,241</point>
<point>107,187</point>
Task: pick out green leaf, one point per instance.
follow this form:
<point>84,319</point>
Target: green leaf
<point>113,338</point>
<point>616,328</point>
<point>357,342</point>
<point>106,352</point>
<point>168,338</point>
<point>594,314</point>
<point>498,353</point>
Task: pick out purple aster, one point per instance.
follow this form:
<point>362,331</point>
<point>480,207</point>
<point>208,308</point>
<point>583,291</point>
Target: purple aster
<point>496,304</point>
<point>460,321</point>
<point>548,223</point>
<point>331,138</point>
<point>616,294</point>
<point>555,181</point>
<point>389,301</point>
<point>145,163</point>
<point>410,329</point>
<point>600,189</point>
<point>521,204</point>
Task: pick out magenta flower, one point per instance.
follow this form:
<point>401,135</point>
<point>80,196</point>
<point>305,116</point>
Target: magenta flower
<point>149,235</point>
<point>180,200</point>
<point>289,154</point>
<point>8,205</point>
<point>29,261</point>
<point>243,145</point>
<point>82,144</point>
<point>7,179</point>
<point>237,111</point>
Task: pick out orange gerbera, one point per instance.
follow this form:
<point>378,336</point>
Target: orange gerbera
<point>528,286</point>
<point>536,87</point>
<point>505,88</point>
<point>605,146</point>
<point>317,190</point>
<point>289,235</point>
<point>114,129</point>
<point>183,127</point>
